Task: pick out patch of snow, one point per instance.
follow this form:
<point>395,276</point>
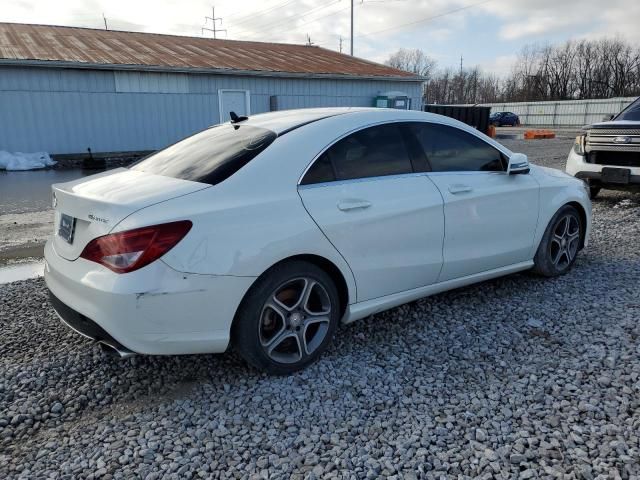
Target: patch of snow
<point>24,161</point>
<point>624,203</point>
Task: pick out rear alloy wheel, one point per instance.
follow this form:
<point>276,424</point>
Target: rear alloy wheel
<point>560,244</point>
<point>287,319</point>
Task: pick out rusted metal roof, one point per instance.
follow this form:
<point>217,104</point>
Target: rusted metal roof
<point>85,47</point>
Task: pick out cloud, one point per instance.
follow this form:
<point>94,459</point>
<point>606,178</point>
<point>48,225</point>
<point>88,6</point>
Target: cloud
<point>501,65</point>
<point>535,19</point>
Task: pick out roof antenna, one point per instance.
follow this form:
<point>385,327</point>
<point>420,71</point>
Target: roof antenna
<point>106,27</point>
<point>235,118</point>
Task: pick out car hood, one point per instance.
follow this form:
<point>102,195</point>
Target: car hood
<point>618,124</point>
<point>541,172</point>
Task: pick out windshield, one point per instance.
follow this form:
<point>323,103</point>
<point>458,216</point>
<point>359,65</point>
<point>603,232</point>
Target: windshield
<point>210,156</point>
<point>632,112</point>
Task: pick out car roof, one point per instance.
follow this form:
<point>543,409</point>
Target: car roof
<point>283,121</point>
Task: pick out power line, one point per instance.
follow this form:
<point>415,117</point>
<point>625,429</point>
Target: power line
<point>253,16</point>
<point>424,20</point>
<point>245,13</point>
<point>280,21</point>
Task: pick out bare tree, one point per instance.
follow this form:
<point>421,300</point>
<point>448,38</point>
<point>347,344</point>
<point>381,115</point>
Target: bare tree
<point>600,68</point>
<point>412,60</point>
<point>587,69</point>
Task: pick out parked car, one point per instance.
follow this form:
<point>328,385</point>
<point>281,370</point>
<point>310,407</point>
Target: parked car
<point>607,154</point>
<point>504,119</point>
<point>268,232</point>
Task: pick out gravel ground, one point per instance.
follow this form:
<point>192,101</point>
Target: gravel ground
<point>519,377</point>
<point>548,153</point>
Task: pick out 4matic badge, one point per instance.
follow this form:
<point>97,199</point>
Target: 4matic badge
<point>93,218</point>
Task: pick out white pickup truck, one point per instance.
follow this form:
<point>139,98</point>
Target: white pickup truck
<point>607,154</point>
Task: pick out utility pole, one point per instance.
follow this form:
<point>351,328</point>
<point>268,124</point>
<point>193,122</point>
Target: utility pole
<point>106,27</point>
<point>460,100</point>
<point>213,19</point>
<point>352,28</point>
<point>340,43</point>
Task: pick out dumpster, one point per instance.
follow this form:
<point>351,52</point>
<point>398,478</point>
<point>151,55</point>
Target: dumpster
<point>477,117</point>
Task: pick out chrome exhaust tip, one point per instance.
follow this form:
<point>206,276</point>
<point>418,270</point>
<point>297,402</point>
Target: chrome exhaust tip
<point>114,351</point>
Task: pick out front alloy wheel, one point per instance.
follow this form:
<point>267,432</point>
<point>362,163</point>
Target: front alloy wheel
<point>288,318</point>
<point>565,241</point>
<point>560,243</point>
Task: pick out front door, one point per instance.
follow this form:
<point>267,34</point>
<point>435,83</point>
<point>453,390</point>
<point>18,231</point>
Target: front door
<point>385,220</point>
<point>490,217</point>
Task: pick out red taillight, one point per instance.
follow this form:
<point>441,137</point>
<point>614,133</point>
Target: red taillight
<point>126,251</point>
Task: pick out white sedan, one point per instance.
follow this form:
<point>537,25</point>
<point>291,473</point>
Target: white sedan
<point>268,232</point>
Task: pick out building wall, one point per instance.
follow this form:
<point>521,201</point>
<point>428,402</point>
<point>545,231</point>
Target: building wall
<point>566,113</point>
<point>67,111</point>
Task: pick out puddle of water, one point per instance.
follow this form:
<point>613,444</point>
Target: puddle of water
<point>21,271</point>
<point>30,191</point>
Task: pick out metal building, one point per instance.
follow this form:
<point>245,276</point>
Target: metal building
<point>64,89</point>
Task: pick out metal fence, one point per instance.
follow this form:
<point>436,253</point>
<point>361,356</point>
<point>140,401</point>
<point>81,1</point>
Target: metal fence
<point>567,113</point>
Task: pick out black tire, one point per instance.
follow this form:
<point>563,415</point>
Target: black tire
<point>277,334</point>
<point>554,256</point>
<point>593,192</point>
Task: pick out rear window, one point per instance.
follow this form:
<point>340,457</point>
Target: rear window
<point>210,156</point>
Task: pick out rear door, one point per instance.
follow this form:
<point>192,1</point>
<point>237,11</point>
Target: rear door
<point>490,217</point>
<point>384,218</point>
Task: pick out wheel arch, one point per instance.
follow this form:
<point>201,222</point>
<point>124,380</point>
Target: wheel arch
<point>321,262</point>
<point>583,218</point>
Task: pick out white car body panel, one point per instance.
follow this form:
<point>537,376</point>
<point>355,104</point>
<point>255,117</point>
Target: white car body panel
<point>240,233</point>
<point>558,189</point>
<point>155,310</point>
<point>387,227</point>
<point>371,307</point>
<point>489,220</point>
<point>185,302</point>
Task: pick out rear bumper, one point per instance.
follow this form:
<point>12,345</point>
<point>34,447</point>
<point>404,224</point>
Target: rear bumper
<point>155,310</point>
<point>86,327</point>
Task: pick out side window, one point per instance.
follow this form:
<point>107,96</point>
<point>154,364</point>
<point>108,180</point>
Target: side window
<point>320,172</point>
<point>372,152</point>
<point>450,149</point>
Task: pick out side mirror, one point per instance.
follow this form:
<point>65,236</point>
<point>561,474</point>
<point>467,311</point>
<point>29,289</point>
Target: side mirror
<point>607,118</point>
<point>518,164</point>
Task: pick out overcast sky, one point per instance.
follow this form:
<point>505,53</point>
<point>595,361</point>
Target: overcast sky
<point>488,33</point>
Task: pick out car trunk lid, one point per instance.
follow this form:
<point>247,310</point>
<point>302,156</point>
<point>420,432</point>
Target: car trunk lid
<point>95,205</point>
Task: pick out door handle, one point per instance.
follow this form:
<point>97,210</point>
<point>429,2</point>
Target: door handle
<point>460,188</point>
<point>347,205</point>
